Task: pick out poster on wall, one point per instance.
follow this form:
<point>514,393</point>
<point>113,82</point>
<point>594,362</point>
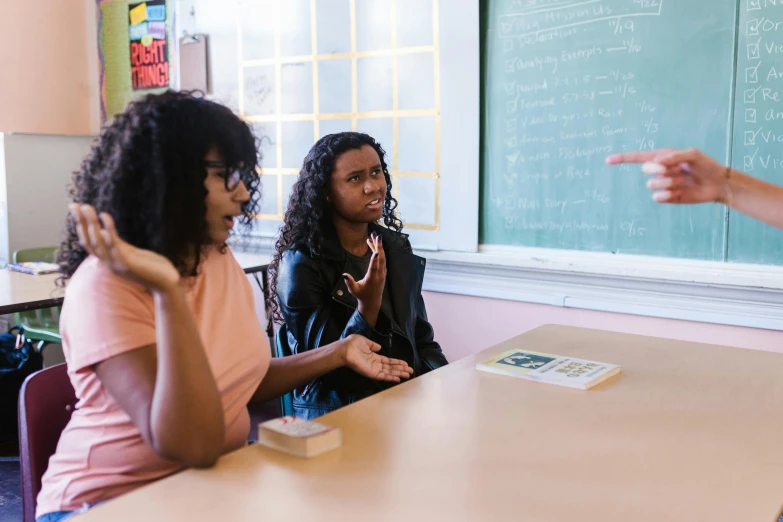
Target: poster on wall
<point>149,45</point>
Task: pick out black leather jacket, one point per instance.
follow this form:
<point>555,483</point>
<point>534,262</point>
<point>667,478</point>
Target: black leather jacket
<point>318,310</point>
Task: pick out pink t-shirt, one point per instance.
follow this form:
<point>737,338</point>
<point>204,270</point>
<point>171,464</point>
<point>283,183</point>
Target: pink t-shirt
<point>101,453</point>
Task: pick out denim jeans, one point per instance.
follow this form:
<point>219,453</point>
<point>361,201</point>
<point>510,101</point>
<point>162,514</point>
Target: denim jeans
<point>62,516</point>
<point>55,516</point>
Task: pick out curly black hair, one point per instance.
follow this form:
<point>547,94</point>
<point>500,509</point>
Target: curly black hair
<point>147,171</point>
<point>308,219</point>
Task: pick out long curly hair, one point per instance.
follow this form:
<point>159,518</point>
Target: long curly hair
<point>147,171</point>
<point>308,218</point>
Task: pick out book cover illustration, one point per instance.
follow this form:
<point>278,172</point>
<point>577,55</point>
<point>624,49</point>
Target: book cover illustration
<point>526,360</point>
<point>296,427</point>
<point>545,367</point>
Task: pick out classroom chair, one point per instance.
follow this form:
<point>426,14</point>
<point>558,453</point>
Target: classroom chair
<point>41,326</point>
<point>283,350</point>
<point>46,402</point>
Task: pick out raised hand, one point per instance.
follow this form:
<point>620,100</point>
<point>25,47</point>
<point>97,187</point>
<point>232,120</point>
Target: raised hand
<point>361,357</point>
<point>99,237</point>
<point>369,290</point>
<point>681,176</point>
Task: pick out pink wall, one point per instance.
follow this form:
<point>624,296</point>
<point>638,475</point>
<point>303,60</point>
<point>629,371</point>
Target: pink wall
<point>466,325</point>
<point>45,66</point>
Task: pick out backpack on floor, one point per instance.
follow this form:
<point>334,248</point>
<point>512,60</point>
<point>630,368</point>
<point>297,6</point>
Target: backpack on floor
<point>17,361</point>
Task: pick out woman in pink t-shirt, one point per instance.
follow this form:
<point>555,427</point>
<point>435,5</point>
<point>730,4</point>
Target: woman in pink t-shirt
<point>159,332</point>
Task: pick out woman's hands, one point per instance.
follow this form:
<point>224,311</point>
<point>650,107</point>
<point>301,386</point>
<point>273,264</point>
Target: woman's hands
<point>99,237</point>
<point>681,176</point>
<point>360,355</point>
<point>369,290</point>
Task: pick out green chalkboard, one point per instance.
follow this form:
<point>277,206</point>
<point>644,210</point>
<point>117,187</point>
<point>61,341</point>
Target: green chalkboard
<point>568,82</point>
<point>758,123</point>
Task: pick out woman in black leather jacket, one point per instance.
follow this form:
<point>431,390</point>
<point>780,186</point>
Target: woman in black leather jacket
<point>337,272</point>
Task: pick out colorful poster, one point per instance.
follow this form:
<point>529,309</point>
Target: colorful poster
<point>148,45</point>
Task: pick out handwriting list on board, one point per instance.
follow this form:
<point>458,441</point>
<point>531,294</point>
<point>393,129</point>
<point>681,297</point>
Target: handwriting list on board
<point>550,102</point>
<point>758,122</point>
<point>571,82</point>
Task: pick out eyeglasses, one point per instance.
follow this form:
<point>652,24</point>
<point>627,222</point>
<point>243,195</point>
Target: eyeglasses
<point>232,176</point>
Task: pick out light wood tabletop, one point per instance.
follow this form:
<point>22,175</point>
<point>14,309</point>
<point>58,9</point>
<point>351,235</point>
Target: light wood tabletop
<point>20,292</point>
<point>687,432</point>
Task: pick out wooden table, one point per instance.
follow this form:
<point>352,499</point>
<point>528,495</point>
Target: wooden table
<point>687,432</point>
<point>20,292</point>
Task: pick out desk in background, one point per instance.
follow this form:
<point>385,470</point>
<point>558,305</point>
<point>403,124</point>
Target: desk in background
<point>252,263</point>
<point>686,432</point>
<point>20,292</point>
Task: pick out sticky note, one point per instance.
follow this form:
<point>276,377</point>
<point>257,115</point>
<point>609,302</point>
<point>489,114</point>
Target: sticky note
<point>156,13</point>
<point>138,31</point>
<point>138,14</point>
<point>157,30</point>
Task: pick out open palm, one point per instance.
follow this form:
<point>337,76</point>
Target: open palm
<point>360,356</point>
<point>99,237</point>
<point>369,289</point>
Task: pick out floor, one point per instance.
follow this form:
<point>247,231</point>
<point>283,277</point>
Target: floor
<point>10,483</point>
